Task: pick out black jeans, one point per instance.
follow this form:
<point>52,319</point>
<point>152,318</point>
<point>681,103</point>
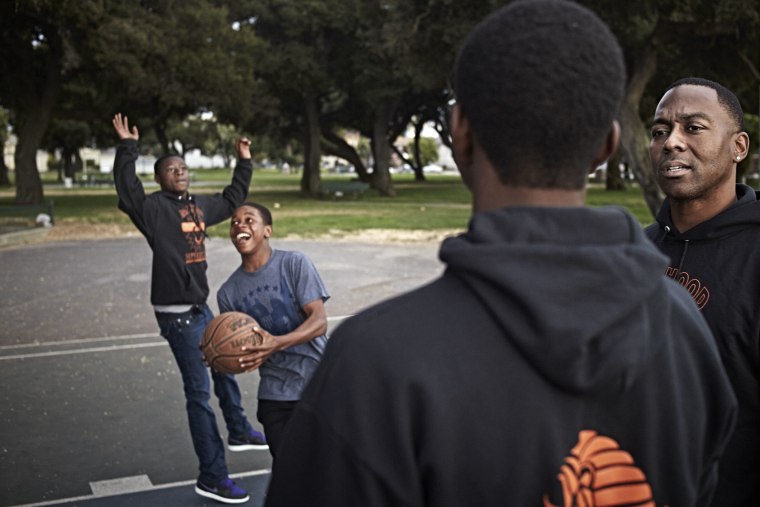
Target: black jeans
<point>274,416</point>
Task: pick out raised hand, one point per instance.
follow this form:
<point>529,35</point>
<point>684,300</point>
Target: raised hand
<point>243,147</point>
<point>121,125</point>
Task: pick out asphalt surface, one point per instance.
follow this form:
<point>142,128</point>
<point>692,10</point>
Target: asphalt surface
<point>91,409</point>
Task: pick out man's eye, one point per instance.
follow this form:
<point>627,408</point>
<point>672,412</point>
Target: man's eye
<point>658,132</point>
<point>694,128</point>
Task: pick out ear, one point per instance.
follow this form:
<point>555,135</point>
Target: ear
<point>461,141</point>
<point>608,147</point>
<point>741,146</point>
<point>267,231</point>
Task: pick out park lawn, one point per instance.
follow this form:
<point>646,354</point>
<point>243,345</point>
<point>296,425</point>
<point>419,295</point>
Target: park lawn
<point>440,203</point>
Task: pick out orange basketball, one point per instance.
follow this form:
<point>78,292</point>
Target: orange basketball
<point>223,338</point>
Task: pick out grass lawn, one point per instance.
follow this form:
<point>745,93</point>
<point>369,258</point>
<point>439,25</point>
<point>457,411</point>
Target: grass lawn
<point>441,203</point>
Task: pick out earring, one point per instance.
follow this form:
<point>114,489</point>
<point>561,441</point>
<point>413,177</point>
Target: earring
<point>738,157</point>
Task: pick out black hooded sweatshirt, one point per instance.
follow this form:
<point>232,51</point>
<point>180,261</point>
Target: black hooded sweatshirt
<point>718,261</point>
<point>175,227</point>
<point>551,339</point>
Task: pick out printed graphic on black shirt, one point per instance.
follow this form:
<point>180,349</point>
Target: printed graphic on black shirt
<point>194,229</point>
<point>598,472</point>
<point>699,292</point>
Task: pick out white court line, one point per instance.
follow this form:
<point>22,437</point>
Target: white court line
<point>84,351</point>
<point>154,488</point>
<point>98,349</point>
<point>59,343</point>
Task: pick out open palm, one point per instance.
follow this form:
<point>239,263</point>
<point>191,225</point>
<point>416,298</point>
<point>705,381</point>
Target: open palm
<point>121,125</point>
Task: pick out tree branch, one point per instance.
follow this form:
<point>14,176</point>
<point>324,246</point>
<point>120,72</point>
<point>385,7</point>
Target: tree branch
<point>750,65</point>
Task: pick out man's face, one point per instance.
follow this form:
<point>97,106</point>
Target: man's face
<point>172,176</point>
<point>693,147</point>
<point>247,230</point>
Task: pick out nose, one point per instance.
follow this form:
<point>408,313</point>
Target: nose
<point>674,140</point>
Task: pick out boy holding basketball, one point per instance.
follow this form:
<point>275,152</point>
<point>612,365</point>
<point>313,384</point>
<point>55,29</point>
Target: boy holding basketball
<point>283,291</point>
<point>174,223</point>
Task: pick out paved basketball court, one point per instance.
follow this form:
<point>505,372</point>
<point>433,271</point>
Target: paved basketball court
<point>92,411</point>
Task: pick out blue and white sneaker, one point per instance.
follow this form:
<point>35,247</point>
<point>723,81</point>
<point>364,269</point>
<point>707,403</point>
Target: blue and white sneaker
<point>252,441</point>
<point>226,492</point>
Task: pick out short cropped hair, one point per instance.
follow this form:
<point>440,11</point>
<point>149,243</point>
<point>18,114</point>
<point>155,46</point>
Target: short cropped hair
<point>540,82</point>
<point>266,215</point>
<point>160,160</point>
<point>726,98</point>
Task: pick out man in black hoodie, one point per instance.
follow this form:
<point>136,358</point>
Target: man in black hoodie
<point>709,227</point>
<point>551,363</point>
<point>174,223</point>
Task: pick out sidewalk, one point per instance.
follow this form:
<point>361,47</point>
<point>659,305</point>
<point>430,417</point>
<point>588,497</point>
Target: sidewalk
<point>15,236</point>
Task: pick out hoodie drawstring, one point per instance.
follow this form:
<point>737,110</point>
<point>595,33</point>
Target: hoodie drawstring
<point>683,254</point>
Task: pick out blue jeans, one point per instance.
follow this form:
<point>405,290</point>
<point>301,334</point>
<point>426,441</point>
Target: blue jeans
<point>184,331</point>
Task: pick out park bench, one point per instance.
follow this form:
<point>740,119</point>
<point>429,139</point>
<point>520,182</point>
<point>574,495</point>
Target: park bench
<point>23,216</point>
<point>338,189</point>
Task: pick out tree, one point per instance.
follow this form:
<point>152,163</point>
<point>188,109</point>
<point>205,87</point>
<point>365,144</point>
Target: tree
<point>155,61</point>
<point>300,38</point>
<point>166,60</point>
<point>38,41</point>
<point>4,178</point>
<point>69,136</point>
<point>426,150</point>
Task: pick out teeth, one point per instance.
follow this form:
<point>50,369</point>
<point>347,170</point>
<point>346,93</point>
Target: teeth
<point>675,168</point>
<point>243,235</point>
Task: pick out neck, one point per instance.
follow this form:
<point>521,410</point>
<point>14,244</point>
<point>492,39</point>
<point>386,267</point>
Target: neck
<point>524,196</point>
<point>255,260</point>
<point>686,214</point>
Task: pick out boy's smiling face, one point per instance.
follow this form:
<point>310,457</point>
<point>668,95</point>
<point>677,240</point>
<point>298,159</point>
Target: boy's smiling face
<point>248,230</point>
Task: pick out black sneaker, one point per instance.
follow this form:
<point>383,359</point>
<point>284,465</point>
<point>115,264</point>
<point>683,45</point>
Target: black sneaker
<point>251,441</point>
<point>226,491</point>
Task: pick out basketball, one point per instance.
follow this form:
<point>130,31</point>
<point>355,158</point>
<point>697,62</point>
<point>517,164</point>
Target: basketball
<point>223,338</point>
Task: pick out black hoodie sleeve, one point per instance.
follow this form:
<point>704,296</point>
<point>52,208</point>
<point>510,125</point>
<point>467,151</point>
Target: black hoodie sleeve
<point>220,206</point>
<point>128,186</point>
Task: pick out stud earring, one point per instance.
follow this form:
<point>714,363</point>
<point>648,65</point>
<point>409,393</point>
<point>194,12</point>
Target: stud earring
<point>738,157</point>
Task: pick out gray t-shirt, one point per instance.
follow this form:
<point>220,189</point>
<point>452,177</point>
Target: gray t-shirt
<point>274,295</point>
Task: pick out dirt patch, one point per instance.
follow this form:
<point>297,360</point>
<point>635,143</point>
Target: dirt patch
<point>383,236</point>
<point>78,231</point>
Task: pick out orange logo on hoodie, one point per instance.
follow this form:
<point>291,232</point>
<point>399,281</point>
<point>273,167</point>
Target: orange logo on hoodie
<point>599,473</point>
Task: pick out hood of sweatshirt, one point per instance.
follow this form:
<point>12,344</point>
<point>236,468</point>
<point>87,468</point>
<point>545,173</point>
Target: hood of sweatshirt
<point>743,213</point>
<point>570,287</point>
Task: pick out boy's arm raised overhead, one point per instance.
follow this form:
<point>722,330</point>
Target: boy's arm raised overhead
<point>128,185</point>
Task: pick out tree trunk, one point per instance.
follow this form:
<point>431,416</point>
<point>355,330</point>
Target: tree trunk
<point>5,180</point>
<point>160,129</point>
<point>634,135</point>
<point>336,145</point>
<point>614,180</point>
<point>381,150</point>
<point>35,122</point>
<point>419,174</point>
<point>310,180</point>
<point>67,163</point>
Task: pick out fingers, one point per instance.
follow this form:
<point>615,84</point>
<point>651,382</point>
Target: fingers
<point>243,147</point>
<point>121,125</point>
<point>250,363</point>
